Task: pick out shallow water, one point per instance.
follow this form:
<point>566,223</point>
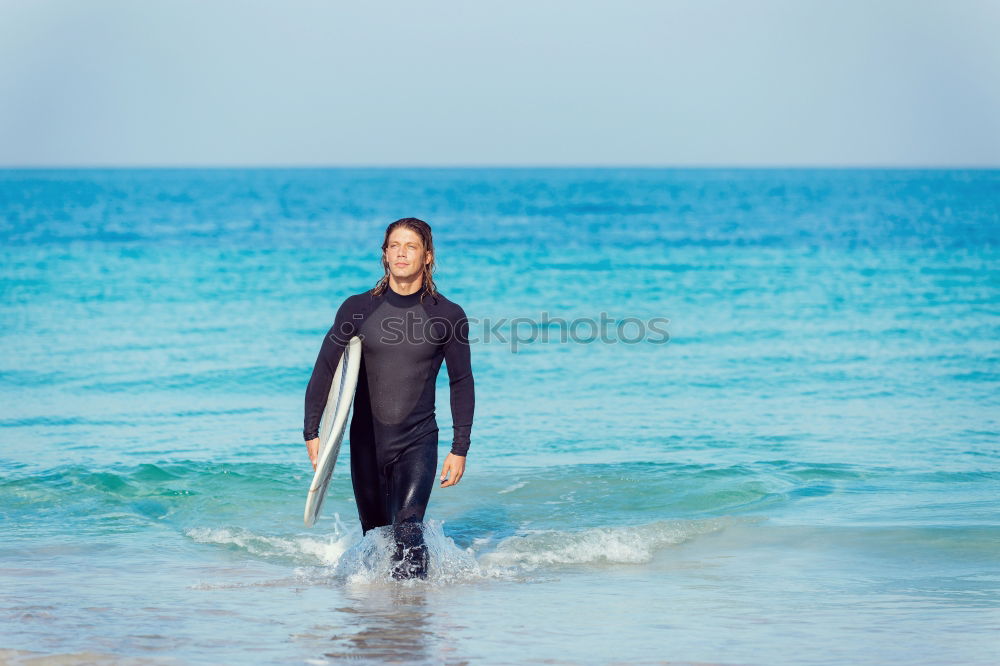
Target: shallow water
<point>805,471</point>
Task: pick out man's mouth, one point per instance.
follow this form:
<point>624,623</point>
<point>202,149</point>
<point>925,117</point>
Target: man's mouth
<point>401,264</point>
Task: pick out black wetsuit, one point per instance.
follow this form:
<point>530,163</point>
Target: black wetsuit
<point>394,433</point>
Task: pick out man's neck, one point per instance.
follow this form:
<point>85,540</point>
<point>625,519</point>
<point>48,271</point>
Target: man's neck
<point>406,288</point>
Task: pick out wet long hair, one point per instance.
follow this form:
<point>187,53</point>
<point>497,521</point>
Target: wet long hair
<point>423,230</point>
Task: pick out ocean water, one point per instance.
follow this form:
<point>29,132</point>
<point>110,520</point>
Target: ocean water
<point>781,448</point>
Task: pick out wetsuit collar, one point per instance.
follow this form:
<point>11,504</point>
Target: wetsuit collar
<point>400,300</point>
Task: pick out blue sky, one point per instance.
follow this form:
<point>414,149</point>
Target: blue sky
<point>511,82</point>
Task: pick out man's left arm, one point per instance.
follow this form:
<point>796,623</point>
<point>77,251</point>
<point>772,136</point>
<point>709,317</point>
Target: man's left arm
<point>463,395</point>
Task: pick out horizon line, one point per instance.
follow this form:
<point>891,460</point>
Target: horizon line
<point>677,167</point>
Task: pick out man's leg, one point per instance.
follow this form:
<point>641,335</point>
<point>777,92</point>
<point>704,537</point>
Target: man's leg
<point>411,479</point>
<point>369,486</point>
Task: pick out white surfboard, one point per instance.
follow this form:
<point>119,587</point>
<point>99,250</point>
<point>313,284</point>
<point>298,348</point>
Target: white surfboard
<point>332,425</point>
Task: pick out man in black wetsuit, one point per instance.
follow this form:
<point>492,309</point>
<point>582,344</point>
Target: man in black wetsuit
<point>407,328</point>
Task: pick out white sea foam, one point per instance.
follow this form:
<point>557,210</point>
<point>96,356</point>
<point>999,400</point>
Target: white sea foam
<point>368,560</point>
<point>304,549</point>
<point>510,489</point>
<point>627,545</point>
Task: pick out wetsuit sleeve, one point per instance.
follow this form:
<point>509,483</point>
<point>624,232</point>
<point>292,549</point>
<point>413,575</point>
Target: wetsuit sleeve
<point>343,329</point>
<point>463,399</point>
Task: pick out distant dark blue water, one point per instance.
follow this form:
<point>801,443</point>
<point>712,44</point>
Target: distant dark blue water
<point>803,469</point>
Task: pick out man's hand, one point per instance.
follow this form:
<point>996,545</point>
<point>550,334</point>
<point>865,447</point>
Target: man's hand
<point>455,465</point>
<point>312,447</point>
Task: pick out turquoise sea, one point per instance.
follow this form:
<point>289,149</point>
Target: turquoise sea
<point>804,470</point>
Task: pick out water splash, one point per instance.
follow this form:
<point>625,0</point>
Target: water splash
<point>369,560</point>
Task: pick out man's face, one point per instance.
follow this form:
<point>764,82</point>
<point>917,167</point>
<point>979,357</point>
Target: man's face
<point>405,254</point>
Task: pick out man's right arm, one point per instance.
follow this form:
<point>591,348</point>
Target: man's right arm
<point>343,329</point>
